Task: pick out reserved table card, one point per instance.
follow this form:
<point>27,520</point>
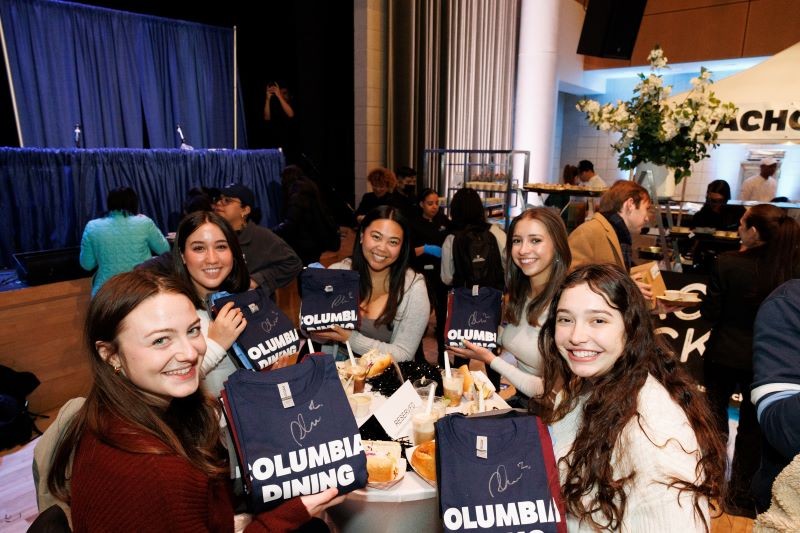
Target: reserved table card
<point>395,413</point>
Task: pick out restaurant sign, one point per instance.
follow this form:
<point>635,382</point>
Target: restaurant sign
<point>756,122</point>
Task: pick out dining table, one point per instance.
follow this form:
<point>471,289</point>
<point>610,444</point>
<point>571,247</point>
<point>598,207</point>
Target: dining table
<point>411,505</point>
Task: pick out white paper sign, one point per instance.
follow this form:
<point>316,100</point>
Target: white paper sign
<point>395,413</point>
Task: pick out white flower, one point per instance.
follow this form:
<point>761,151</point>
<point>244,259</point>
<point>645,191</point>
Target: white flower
<point>656,58</point>
<point>649,115</point>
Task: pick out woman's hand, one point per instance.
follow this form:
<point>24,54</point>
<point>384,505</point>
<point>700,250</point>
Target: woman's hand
<point>284,361</point>
<point>335,334</point>
<point>472,351</point>
<point>228,325</point>
<point>646,290</point>
<point>316,503</point>
<point>664,308</point>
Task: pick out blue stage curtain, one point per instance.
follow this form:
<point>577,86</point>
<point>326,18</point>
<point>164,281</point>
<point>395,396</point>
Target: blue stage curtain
<point>37,202</point>
<point>128,79</point>
<point>48,195</point>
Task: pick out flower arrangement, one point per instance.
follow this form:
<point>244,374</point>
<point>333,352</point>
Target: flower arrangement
<point>653,129</point>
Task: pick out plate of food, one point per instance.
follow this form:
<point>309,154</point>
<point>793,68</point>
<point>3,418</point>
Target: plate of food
<point>423,460</point>
<point>385,467</point>
<point>704,230</point>
<point>726,234</point>
<point>684,299</point>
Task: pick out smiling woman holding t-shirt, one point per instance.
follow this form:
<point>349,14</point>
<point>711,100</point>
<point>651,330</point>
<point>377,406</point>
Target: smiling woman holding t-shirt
<point>394,301</point>
<point>144,452</point>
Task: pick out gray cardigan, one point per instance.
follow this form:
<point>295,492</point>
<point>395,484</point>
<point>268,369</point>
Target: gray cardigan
<point>408,325</point>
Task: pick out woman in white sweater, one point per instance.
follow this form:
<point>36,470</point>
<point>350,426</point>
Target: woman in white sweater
<point>208,258</point>
<point>537,259</point>
<point>394,305</point>
<point>634,439</point>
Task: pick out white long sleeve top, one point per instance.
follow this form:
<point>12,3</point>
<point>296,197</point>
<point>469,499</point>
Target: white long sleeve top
<point>658,445</point>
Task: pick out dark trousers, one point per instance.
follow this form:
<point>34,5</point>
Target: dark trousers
<point>721,382</point>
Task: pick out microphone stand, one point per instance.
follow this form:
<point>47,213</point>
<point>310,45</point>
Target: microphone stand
<point>184,145</point>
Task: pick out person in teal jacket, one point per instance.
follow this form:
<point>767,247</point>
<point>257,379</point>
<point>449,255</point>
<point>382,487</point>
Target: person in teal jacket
<point>120,240</point>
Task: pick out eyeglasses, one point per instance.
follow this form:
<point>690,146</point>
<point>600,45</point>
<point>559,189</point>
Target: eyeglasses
<point>226,200</point>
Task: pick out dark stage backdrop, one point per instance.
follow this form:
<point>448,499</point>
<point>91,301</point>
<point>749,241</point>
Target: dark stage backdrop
<point>47,195</point>
<point>97,78</point>
<point>306,44</point>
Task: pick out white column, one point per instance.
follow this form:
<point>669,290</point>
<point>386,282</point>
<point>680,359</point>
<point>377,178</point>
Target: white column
<point>537,87</point>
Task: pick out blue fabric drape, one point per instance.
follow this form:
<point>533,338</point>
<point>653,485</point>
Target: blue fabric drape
<point>48,195</point>
<point>128,79</point>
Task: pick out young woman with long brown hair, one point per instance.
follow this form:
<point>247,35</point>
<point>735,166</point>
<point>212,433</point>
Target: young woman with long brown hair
<point>740,282</point>
<point>635,443</point>
<point>537,259</point>
<point>144,451</point>
<point>394,305</point>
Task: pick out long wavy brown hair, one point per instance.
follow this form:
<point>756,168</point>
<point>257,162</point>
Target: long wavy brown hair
<point>397,271</point>
<point>519,285</point>
<point>187,427</point>
<point>611,405</point>
<point>778,257</point>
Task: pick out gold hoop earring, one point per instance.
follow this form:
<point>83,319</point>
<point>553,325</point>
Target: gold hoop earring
<point>117,370</point>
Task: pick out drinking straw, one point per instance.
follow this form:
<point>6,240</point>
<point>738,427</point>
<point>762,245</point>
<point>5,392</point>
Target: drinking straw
<point>481,402</point>
<point>350,353</point>
<point>429,404</point>
<point>310,346</point>
<point>447,365</point>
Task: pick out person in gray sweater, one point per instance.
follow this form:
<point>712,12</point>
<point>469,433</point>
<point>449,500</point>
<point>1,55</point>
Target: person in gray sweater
<point>394,299</point>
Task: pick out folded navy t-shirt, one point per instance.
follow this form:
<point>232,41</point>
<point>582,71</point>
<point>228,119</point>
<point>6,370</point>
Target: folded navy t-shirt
<point>498,474</point>
<point>473,317</point>
<point>269,334</point>
<point>296,432</point>
<point>330,297</point>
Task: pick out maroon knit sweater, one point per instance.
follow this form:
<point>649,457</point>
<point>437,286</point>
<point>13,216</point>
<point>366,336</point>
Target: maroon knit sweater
<point>114,490</point>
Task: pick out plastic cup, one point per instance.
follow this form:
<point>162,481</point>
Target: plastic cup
<point>359,375</point>
<point>453,387</point>
<point>360,403</point>
<point>423,387</point>
<point>347,383</point>
<point>439,407</point>
<point>422,425</point>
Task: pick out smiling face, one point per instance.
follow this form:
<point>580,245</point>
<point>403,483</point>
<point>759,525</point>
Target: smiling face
<point>532,250</point>
<point>430,206</point>
<point>589,333</point>
<point>160,346</point>
<point>208,258</point>
<point>381,243</point>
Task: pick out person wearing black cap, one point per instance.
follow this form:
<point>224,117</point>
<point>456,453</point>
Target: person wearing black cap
<point>271,262</point>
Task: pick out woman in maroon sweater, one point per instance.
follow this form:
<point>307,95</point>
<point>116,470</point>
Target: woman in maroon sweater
<point>144,452</point>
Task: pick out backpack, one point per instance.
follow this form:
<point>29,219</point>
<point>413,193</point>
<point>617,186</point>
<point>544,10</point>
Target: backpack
<point>16,422</point>
<point>476,258</point>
